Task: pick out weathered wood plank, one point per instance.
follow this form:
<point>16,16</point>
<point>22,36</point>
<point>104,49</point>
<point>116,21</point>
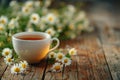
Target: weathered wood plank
<point>52,75</point>
<point>30,73</point>
<point>8,76</point>
<point>35,72</point>
<point>91,63</point>
<point>39,69</point>
<point>112,53</point>
<point>97,67</point>
<point>70,73</point>
<point>3,67</point>
<point>110,37</point>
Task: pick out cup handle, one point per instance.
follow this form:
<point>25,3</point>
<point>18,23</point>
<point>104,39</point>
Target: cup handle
<point>58,42</point>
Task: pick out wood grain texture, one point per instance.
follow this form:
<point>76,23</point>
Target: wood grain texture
<point>108,35</point>
<point>97,68</point>
<point>110,39</point>
<point>38,72</point>
<point>112,54</point>
<point>34,72</point>
<point>3,67</point>
<point>90,64</point>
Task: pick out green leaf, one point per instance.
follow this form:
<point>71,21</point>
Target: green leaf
<point>2,38</point>
<point>68,55</point>
<point>56,51</point>
<point>15,56</point>
<point>0,54</point>
<point>51,60</point>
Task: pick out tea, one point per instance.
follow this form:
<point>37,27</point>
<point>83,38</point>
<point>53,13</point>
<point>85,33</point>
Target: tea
<point>33,46</point>
<point>31,37</point>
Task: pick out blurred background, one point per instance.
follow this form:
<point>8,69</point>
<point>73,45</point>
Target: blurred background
<point>65,19</point>
<point>104,11</point>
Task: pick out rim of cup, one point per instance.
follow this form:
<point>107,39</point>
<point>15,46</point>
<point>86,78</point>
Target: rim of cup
<point>45,35</point>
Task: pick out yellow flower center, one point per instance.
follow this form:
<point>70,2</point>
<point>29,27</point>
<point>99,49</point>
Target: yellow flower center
<point>30,5</point>
<point>17,69</point>
<point>1,28</point>
<point>60,56</point>
<point>9,60</point>
<point>49,32</point>
<point>26,10</point>
<point>50,19</point>
<point>2,21</point>
<point>66,60</point>
<point>7,53</point>
<point>72,52</point>
<point>23,65</point>
<point>57,68</point>
<point>34,18</point>
<point>52,55</point>
<point>71,26</point>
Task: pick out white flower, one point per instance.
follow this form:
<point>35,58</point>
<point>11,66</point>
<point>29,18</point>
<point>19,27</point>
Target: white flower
<point>43,19</point>
<point>52,55</point>
<point>71,8</point>
<point>47,3</point>
<point>57,67</point>
<point>13,3</point>
<point>26,10</point>
<point>81,16</point>
<point>7,52</point>
<point>2,27</point>
<point>51,18</point>
<point>3,20</point>
<point>37,4</point>
<point>29,4</point>
<point>72,51</point>
<point>60,27</point>
<point>35,18</point>
<point>69,13</point>
<point>50,31</point>
<point>44,10</point>
<point>13,23</point>
<point>42,26</point>
<point>8,60</point>
<point>23,65</point>
<point>86,23</point>
<point>72,26</point>
<point>60,56</point>
<point>66,61</point>
<point>68,16</point>
<point>29,29</point>
<point>15,69</point>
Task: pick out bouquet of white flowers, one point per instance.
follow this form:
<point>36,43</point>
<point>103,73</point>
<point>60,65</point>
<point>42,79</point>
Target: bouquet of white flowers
<point>65,23</point>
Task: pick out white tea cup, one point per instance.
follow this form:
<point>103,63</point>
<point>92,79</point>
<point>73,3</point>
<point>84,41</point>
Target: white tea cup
<point>33,46</point>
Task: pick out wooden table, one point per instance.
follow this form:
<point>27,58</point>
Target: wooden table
<point>98,59</point>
